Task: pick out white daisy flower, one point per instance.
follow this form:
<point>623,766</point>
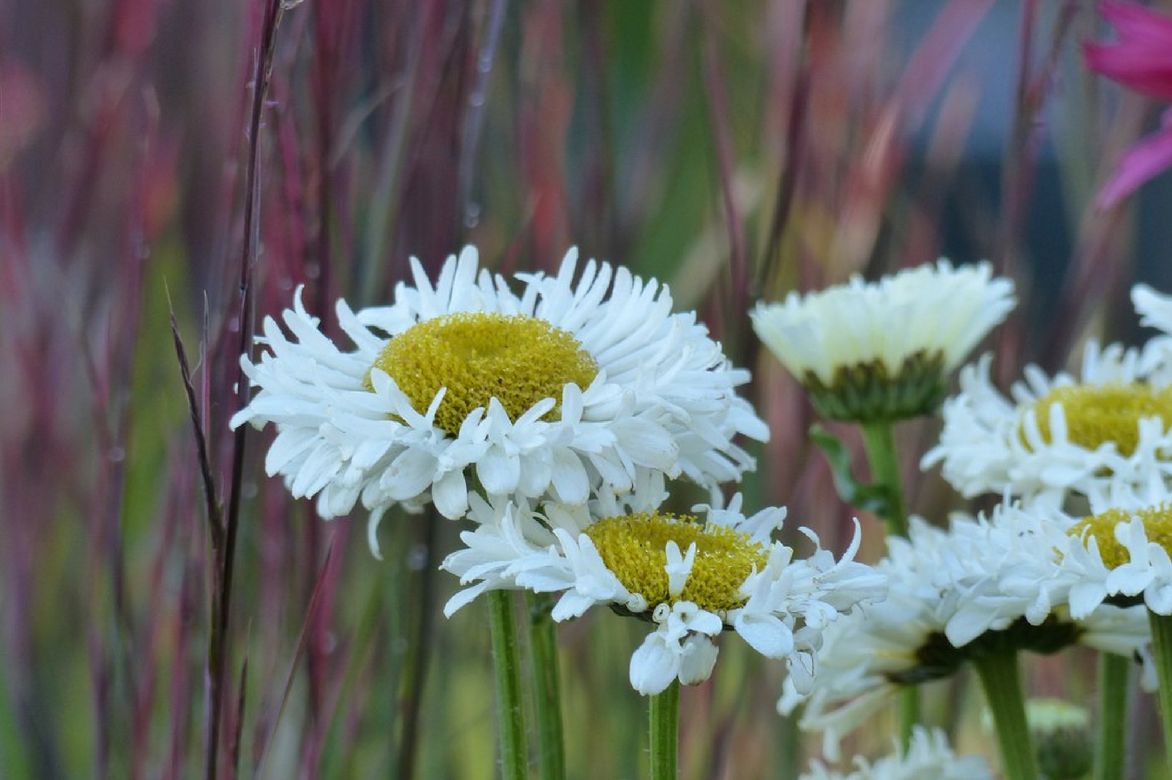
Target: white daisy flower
<point>1055,436</point>
<point>1118,555</point>
<point>884,350</point>
<point>691,580</point>
<point>564,388</point>
<point>951,596</point>
<point>928,757</point>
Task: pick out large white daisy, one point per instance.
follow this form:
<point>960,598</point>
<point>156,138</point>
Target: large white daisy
<point>884,350</point>
<point>953,595</point>
<point>928,757</point>
<point>692,580</point>
<point>569,386</point>
<point>1108,428</point>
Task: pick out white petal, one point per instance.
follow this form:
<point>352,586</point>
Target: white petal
<point>571,605</point>
<point>678,567</point>
<point>698,659</point>
<point>570,482</point>
<point>499,471</point>
<point>766,634</point>
<point>654,665</point>
<point>409,474</point>
<point>450,494</point>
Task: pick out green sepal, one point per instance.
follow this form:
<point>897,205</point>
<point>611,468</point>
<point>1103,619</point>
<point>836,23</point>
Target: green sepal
<point>877,499</point>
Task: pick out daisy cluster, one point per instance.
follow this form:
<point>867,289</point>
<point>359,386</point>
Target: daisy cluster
<point>1034,574</point>
<point>1096,432</point>
<point>551,411</point>
<point>1101,438</point>
<point>953,595</point>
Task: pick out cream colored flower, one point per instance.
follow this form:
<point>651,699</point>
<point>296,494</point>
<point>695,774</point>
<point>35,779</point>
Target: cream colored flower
<point>884,350</point>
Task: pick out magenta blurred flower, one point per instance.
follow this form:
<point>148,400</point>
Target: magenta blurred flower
<point>1141,59</point>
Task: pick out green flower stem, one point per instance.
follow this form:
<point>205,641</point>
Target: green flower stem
<point>1114,671</point>
<point>506,663</point>
<point>551,756</point>
<point>664,709</point>
<point>1162,654</point>
<point>879,443</point>
<point>789,747</point>
<point>908,713</point>
<point>1002,683</point>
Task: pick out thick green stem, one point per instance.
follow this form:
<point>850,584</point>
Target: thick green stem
<point>664,709</point>
<point>879,443</point>
<point>551,755</point>
<point>908,713</point>
<point>1114,671</point>
<point>789,748</point>
<point>1002,683</point>
<point>1162,655</point>
<point>506,663</point>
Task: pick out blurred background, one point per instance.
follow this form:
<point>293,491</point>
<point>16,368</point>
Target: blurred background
<point>733,150</point>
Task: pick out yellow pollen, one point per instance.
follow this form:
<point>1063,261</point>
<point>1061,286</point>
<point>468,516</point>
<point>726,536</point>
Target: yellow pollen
<point>477,356</point>
<point>1097,414</point>
<point>1157,525</point>
<point>633,547</point>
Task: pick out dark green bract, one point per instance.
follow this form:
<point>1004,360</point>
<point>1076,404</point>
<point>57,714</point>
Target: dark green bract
<point>938,658</point>
<point>868,392</point>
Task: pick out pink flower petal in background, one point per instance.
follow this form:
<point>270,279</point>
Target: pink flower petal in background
<point>1146,159</point>
<point>1139,59</point>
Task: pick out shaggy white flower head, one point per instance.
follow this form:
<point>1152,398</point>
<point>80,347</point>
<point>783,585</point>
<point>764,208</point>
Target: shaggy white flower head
<point>1119,555</point>
<point>1106,429</point>
<point>884,350</point>
<point>566,388</point>
<point>691,580</point>
<point>952,595</point>
<point>928,757</point>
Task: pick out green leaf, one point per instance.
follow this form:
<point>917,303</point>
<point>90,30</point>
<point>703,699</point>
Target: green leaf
<point>869,498</point>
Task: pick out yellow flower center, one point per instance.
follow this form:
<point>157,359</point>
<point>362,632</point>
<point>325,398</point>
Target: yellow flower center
<point>1097,414</point>
<point>477,356</point>
<point>1157,525</point>
<point>634,548</point>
